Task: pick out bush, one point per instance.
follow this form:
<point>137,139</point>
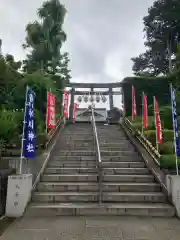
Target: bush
<point>9,126</point>
<point>151,110</point>
<point>152,86</point>
<point>166,148</point>
<point>168,136</point>
<point>137,122</point>
<point>169,162</point>
<point>42,139</point>
<point>166,117</point>
<point>151,136</point>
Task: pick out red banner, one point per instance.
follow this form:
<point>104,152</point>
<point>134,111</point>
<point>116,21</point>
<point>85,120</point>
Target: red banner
<point>145,112</point>
<point>51,111</point>
<point>66,103</point>
<point>134,113</point>
<point>157,122</point>
<point>74,111</point>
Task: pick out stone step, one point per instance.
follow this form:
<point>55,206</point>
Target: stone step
<point>78,130</point>
<point>94,177</point>
<point>128,178</point>
<point>92,163</point>
<point>130,187</point>
<point>90,141</point>
<point>60,170</point>
<point>110,144</point>
<point>121,197</point>
<point>75,148</point>
<point>56,197</point>
<point>69,177</point>
<point>117,148</point>
<point>93,209</point>
<point>77,138</point>
<point>76,153</point>
<point>115,144</point>
<point>136,158</point>
<point>67,186</point>
<point>119,153</point>
<point>74,144</point>
<point>73,164</point>
<point>103,153</point>
<point>88,131</point>
<point>73,158</point>
<point>122,171</point>
<point>81,134</point>
<point>113,135</point>
<point>105,147</point>
<point>70,170</point>
<point>148,197</point>
<point>77,141</point>
<point>112,139</point>
<point>121,159</point>
<point>123,164</point>
<point>93,187</point>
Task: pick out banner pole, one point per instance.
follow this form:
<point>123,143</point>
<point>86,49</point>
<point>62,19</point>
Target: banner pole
<point>157,145</point>
<point>22,139</point>
<point>177,169</point>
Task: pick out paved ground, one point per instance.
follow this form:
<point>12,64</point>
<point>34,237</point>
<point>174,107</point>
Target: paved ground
<point>94,228</point>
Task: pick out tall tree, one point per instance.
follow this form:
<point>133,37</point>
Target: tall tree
<point>44,40</point>
<point>162,28</point>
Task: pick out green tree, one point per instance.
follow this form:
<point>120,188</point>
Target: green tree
<point>44,40</point>
<point>9,79</point>
<point>12,63</point>
<point>162,28</point>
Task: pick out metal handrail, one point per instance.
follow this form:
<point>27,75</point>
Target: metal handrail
<point>142,139</point>
<point>98,155</point>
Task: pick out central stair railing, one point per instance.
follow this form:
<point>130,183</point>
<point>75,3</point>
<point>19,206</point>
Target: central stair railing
<point>98,155</point>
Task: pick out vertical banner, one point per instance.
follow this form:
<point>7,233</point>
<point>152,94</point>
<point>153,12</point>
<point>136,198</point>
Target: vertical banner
<point>29,137</point>
<point>175,124</point>
<point>66,103</point>
<point>157,123</point>
<point>51,111</point>
<point>134,112</point>
<point>74,111</point>
<point>145,112</point>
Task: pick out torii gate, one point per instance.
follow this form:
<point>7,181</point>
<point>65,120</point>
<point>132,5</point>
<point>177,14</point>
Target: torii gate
<point>92,86</point>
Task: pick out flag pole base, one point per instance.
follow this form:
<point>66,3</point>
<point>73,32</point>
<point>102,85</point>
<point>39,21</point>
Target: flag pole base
<point>18,194</point>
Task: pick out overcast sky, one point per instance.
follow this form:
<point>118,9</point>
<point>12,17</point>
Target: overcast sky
<point>102,35</point>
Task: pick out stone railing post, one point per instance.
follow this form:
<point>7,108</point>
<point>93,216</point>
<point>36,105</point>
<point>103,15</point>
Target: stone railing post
<point>111,104</point>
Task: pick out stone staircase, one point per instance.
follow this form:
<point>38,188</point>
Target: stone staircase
<point>69,185</point>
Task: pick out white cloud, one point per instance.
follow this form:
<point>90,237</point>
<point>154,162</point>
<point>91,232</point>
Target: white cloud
<point>102,35</point>
<point>113,66</point>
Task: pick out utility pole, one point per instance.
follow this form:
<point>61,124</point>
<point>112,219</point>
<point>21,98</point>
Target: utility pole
<point>0,46</point>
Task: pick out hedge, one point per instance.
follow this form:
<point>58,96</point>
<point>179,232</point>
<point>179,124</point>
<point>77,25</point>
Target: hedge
<point>152,86</point>
<point>168,135</point>
<point>169,162</point>
<point>137,122</point>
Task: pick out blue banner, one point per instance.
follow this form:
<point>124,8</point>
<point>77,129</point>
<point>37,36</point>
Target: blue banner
<point>175,120</point>
<point>29,137</point>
